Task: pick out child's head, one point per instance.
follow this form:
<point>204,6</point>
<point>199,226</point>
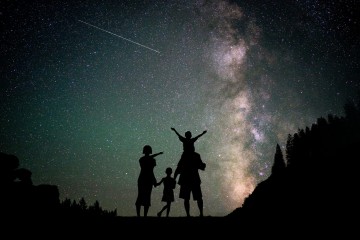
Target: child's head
<point>188,134</point>
<point>168,171</point>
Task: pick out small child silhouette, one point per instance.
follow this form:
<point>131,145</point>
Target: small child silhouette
<point>168,192</point>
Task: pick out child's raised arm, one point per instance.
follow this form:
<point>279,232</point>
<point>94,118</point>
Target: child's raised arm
<point>200,134</point>
<point>176,132</point>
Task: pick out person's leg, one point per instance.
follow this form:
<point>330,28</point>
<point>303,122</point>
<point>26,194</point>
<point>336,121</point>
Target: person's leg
<point>160,212</point>
<point>163,209</point>
<point>185,194</point>
<point>200,205</point>
<point>138,210</point>
<point>197,195</point>
<point>168,206</point>
<point>187,207</point>
<point>146,209</point>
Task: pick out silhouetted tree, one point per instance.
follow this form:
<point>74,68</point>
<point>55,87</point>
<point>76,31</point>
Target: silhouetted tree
<point>83,205</point>
<point>279,163</point>
<point>289,150</point>
<point>95,209</point>
<point>65,207</point>
<point>81,209</point>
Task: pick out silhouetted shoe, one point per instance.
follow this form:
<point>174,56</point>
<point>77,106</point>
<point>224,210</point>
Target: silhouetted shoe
<point>159,214</point>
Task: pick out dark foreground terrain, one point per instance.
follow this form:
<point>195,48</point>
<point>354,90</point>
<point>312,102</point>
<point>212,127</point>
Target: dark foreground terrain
<point>171,228</point>
<point>136,226</point>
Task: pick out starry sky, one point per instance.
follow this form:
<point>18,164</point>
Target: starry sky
<point>79,102</point>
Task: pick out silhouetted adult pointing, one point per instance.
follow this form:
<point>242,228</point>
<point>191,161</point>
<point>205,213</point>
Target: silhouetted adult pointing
<point>146,180</point>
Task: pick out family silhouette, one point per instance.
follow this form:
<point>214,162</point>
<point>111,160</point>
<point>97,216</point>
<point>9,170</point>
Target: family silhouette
<point>187,167</point>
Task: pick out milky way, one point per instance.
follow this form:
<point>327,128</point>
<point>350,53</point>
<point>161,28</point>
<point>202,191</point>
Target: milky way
<point>79,104</point>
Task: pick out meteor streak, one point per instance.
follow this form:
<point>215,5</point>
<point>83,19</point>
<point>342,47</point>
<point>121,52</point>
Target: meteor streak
<point>119,36</point>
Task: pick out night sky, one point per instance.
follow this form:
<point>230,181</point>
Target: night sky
<point>78,103</point>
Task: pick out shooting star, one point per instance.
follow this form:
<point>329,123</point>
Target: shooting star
<point>119,36</point>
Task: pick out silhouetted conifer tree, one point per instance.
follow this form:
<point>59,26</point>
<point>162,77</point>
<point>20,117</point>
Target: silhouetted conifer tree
<point>73,208</point>
<point>66,203</point>
<point>83,205</point>
<point>96,209</point>
<point>289,149</point>
<point>279,163</point>
<point>321,122</point>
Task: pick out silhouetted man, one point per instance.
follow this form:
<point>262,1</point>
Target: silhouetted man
<point>189,181</point>
<point>188,166</point>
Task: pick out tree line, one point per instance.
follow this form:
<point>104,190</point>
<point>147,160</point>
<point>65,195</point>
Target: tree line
<point>315,178</point>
